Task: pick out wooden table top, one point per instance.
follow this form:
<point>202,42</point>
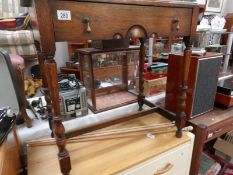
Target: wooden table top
<point>209,118</point>
<point>213,117</point>
<point>105,157</point>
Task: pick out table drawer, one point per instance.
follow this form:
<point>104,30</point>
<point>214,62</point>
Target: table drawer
<point>220,129</point>
<point>176,160</point>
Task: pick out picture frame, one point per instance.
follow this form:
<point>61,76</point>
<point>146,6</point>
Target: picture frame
<point>214,5</point>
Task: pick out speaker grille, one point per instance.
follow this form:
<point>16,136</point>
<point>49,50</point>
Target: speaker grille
<point>206,85</point>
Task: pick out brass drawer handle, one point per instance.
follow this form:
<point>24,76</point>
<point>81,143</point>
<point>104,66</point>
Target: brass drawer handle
<point>217,131</point>
<point>167,168</point>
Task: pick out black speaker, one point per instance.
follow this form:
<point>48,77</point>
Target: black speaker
<point>202,83</point>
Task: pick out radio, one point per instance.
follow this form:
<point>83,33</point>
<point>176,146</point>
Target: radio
<point>73,96</point>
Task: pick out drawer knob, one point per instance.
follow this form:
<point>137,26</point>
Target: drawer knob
<point>175,25</point>
<point>86,20</point>
<point>217,131</point>
<point>167,168</point>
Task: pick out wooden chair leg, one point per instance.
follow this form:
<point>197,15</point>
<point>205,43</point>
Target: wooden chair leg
<point>23,100</point>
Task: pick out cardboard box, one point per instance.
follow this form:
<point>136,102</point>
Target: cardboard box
<point>208,165</point>
<point>224,150</point>
<point>152,87</point>
<point>227,170</point>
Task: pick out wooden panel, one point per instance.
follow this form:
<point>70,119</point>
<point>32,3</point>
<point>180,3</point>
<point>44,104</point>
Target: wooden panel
<point>72,46</point>
<point>160,3</point>
<point>219,129</point>
<point>107,19</point>
<point>173,82</point>
<point>71,70</point>
<point>194,23</point>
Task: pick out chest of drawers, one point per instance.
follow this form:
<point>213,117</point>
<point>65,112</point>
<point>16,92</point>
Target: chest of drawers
<point>174,161</point>
<point>136,155</point>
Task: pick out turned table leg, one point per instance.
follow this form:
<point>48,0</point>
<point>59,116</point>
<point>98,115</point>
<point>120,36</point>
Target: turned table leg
<point>200,137</point>
<point>57,126</point>
<point>41,58</point>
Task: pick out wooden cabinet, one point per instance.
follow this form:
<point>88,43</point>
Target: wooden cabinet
<point>109,76</point>
<point>10,155</point>
<point>167,163</point>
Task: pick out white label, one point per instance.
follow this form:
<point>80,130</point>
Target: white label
<point>63,15</point>
<point>210,135</point>
<point>151,136</point>
<point>78,113</point>
<point>71,108</point>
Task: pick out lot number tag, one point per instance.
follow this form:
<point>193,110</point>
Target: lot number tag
<point>63,15</point>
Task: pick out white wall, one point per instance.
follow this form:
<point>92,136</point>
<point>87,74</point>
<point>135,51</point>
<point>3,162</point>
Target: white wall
<point>201,1</point>
<point>62,54</point>
<point>227,7</point>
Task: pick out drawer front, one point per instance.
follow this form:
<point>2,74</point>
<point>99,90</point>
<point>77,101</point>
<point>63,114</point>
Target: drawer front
<point>175,161</point>
<point>220,129</point>
<point>115,18</point>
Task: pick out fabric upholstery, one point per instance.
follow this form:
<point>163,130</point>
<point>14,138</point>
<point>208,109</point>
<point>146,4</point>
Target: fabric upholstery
<point>20,42</point>
<point>17,61</point>
<point>11,8</point>
<point>28,49</point>
<point>20,37</point>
